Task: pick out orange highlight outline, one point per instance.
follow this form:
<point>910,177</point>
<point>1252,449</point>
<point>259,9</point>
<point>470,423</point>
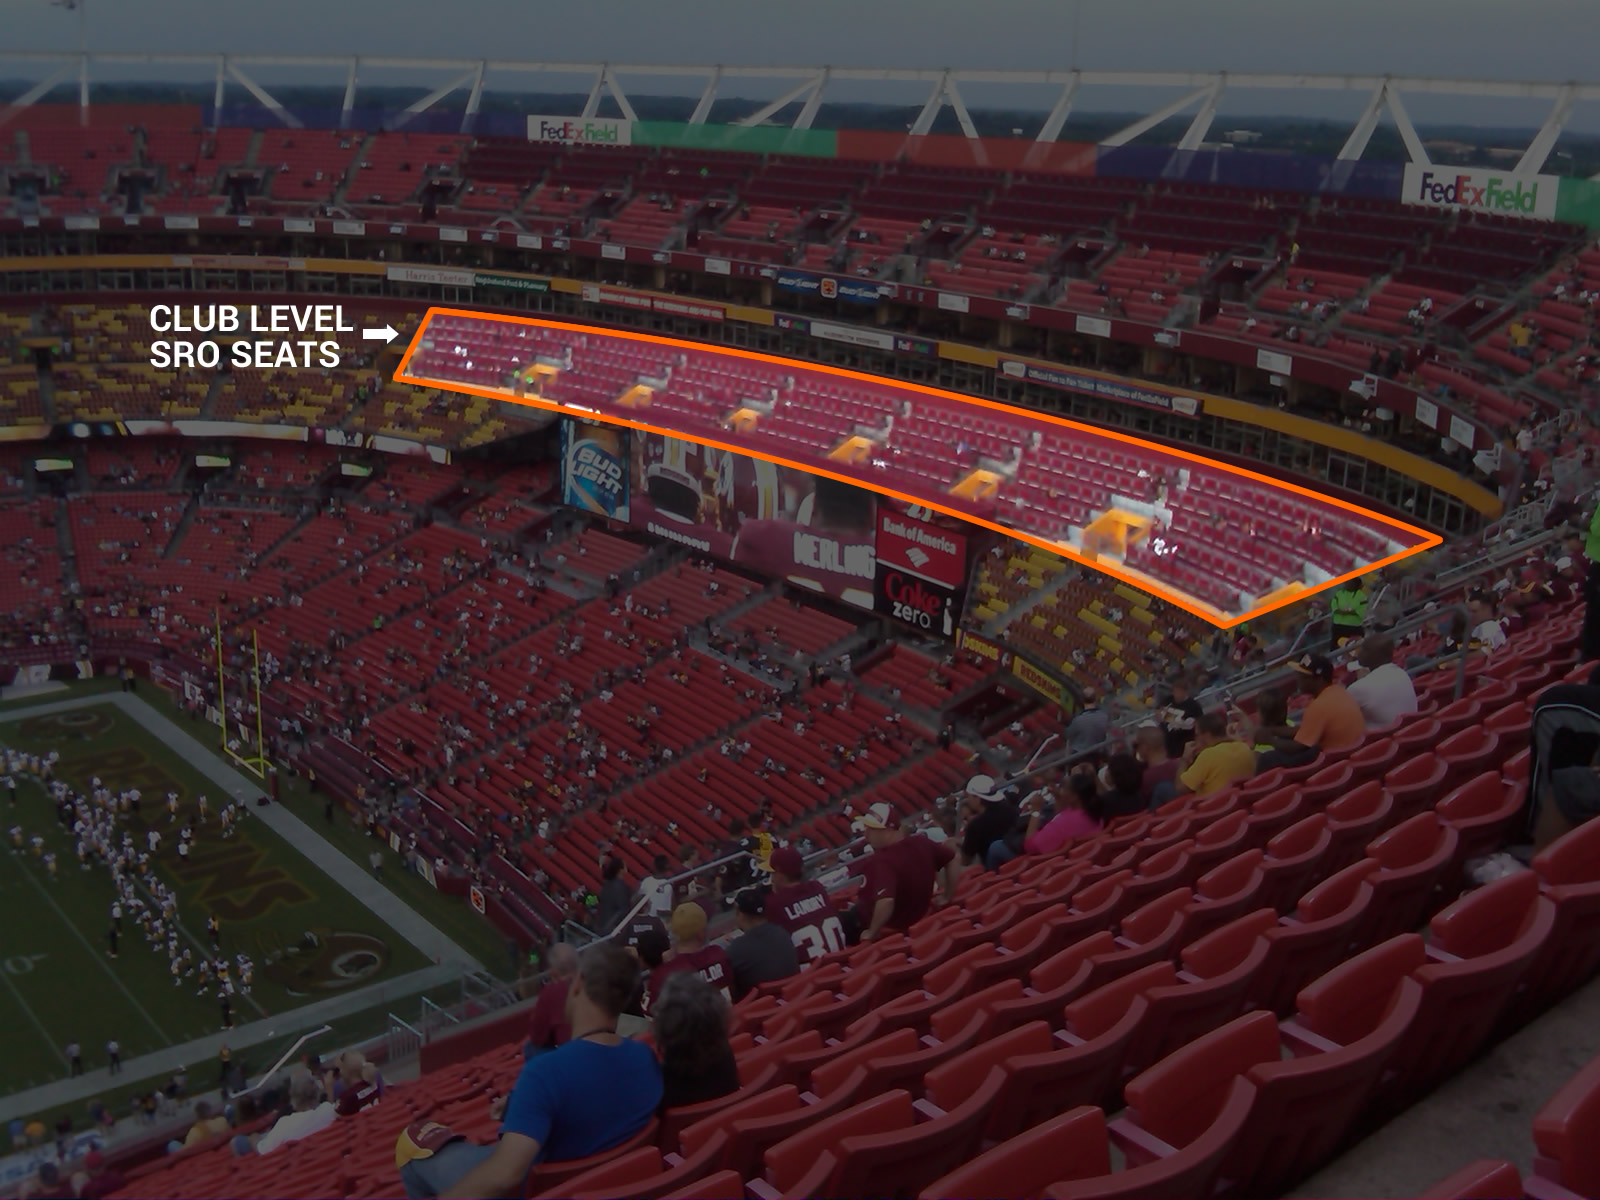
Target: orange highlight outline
<point>1137,580</point>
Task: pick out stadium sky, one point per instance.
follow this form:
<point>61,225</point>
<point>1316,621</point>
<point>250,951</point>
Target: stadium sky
<point>1548,40</point>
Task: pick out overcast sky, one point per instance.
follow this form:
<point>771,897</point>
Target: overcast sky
<point>1545,40</point>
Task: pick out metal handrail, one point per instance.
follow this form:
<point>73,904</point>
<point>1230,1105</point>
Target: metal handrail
<point>287,1054</point>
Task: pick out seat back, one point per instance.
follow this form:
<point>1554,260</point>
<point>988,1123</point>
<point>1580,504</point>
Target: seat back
<point>1566,1134</point>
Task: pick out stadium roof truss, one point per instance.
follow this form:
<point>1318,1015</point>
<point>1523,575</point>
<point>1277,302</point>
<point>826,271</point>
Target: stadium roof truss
<point>1201,91</point>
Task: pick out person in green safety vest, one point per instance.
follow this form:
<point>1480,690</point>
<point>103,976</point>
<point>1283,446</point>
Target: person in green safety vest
<point>1591,590</point>
<point>1349,610</point>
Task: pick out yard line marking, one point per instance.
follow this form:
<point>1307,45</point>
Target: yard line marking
<point>37,1024</point>
<point>94,955</point>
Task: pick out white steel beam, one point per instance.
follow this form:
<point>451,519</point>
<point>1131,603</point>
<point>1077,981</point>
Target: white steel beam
<point>808,111</point>
<point>619,95</point>
<point>348,107</point>
<point>708,97</point>
<point>264,97</point>
<point>953,94</point>
<point>1059,112</point>
<point>1142,126</point>
<point>474,99</point>
<point>1356,144</point>
<point>1545,140</point>
<point>1201,125</point>
<point>32,94</point>
<point>765,112</point>
<point>930,110</point>
<point>1402,122</point>
<point>592,104</point>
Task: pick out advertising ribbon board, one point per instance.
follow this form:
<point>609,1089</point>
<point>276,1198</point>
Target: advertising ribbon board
<point>512,283</point>
<point>1094,385</point>
<point>984,648</point>
<point>1041,683</point>
<point>828,287</point>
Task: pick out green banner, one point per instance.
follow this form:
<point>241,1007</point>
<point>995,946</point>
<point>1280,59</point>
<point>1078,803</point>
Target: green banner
<point>758,139</point>
<point>512,283</point>
<point>1578,202</point>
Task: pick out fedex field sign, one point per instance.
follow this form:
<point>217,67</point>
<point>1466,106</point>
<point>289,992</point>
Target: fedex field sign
<point>1474,189</point>
<point>581,131</point>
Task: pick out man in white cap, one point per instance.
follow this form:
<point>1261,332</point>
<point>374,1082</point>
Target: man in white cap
<point>991,818</point>
<point>900,874</point>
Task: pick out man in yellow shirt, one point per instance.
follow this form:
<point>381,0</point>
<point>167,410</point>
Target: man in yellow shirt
<point>1333,720</point>
<point>1214,760</point>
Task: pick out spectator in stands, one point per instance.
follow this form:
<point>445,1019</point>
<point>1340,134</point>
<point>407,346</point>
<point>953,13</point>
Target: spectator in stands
<point>1271,735</point>
<point>1487,632</point>
<point>763,952</point>
<point>991,818</point>
<point>616,896</point>
<point>1333,720</point>
<point>1121,782</point>
<point>96,1179</point>
<point>1384,691</point>
<point>310,1113</point>
<point>690,953</point>
<point>589,1095</point>
<point>1590,642</point>
<point>547,1026</point>
<point>207,1125</point>
<point>1214,760</point>
<point>1160,772</point>
<point>655,889</point>
<point>1348,610</point>
<point>45,1185</point>
<point>354,1084</point>
<point>1078,814</point>
<point>1089,727</point>
<point>1181,712</point>
<point>903,871</point>
<point>691,1034</point>
<point>800,906</point>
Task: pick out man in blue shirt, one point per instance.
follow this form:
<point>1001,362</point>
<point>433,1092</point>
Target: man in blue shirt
<point>588,1095</point>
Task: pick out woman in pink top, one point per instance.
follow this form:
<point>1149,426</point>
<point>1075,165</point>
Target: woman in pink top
<point>1078,816</point>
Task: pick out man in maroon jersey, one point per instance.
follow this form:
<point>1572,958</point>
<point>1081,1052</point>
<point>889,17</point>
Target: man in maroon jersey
<point>801,906</point>
<point>690,953</point>
<point>899,887</point>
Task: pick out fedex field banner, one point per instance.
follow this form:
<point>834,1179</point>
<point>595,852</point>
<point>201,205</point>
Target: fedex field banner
<point>1480,189</point>
<point>594,468</point>
<point>781,522</point>
<point>580,131</point>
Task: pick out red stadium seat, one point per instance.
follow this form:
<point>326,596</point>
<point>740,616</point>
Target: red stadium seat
<point>1478,951</point>
<point>1482,811</point>
<point>1486,1179</point>
<point>1314,939</point>
<point>1293,859</point>
<point>1411,859</point>
<point>1354,820</point>
<point>1229,890</point>
<point>1415,784</point>
<point>1569,874</point>
<point>1072,1145</point>
<point>1468,753</point>
<point>1566,1136</point>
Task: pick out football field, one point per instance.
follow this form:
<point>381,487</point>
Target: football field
<point>308,938</point>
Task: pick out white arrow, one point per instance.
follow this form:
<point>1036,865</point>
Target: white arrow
<point>380,335</point>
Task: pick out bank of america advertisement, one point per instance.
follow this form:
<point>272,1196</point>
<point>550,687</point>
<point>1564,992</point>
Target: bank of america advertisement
<point>594,468</point>
<point>922,568</point>
<point>816,534</point>
<point>1480,189</point>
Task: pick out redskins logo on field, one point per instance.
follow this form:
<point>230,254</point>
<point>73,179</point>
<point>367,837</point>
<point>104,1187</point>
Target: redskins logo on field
<point>326,961</point>
<point>82,724</point>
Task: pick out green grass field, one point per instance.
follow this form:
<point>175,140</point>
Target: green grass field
<point>57,981</point>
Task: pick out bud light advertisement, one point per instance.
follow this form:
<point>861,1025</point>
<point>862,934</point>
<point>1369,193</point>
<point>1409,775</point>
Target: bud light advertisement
<point>594,468</point>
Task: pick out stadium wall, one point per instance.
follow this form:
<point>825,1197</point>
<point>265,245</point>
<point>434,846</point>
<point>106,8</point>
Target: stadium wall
<point>1578,200</point>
